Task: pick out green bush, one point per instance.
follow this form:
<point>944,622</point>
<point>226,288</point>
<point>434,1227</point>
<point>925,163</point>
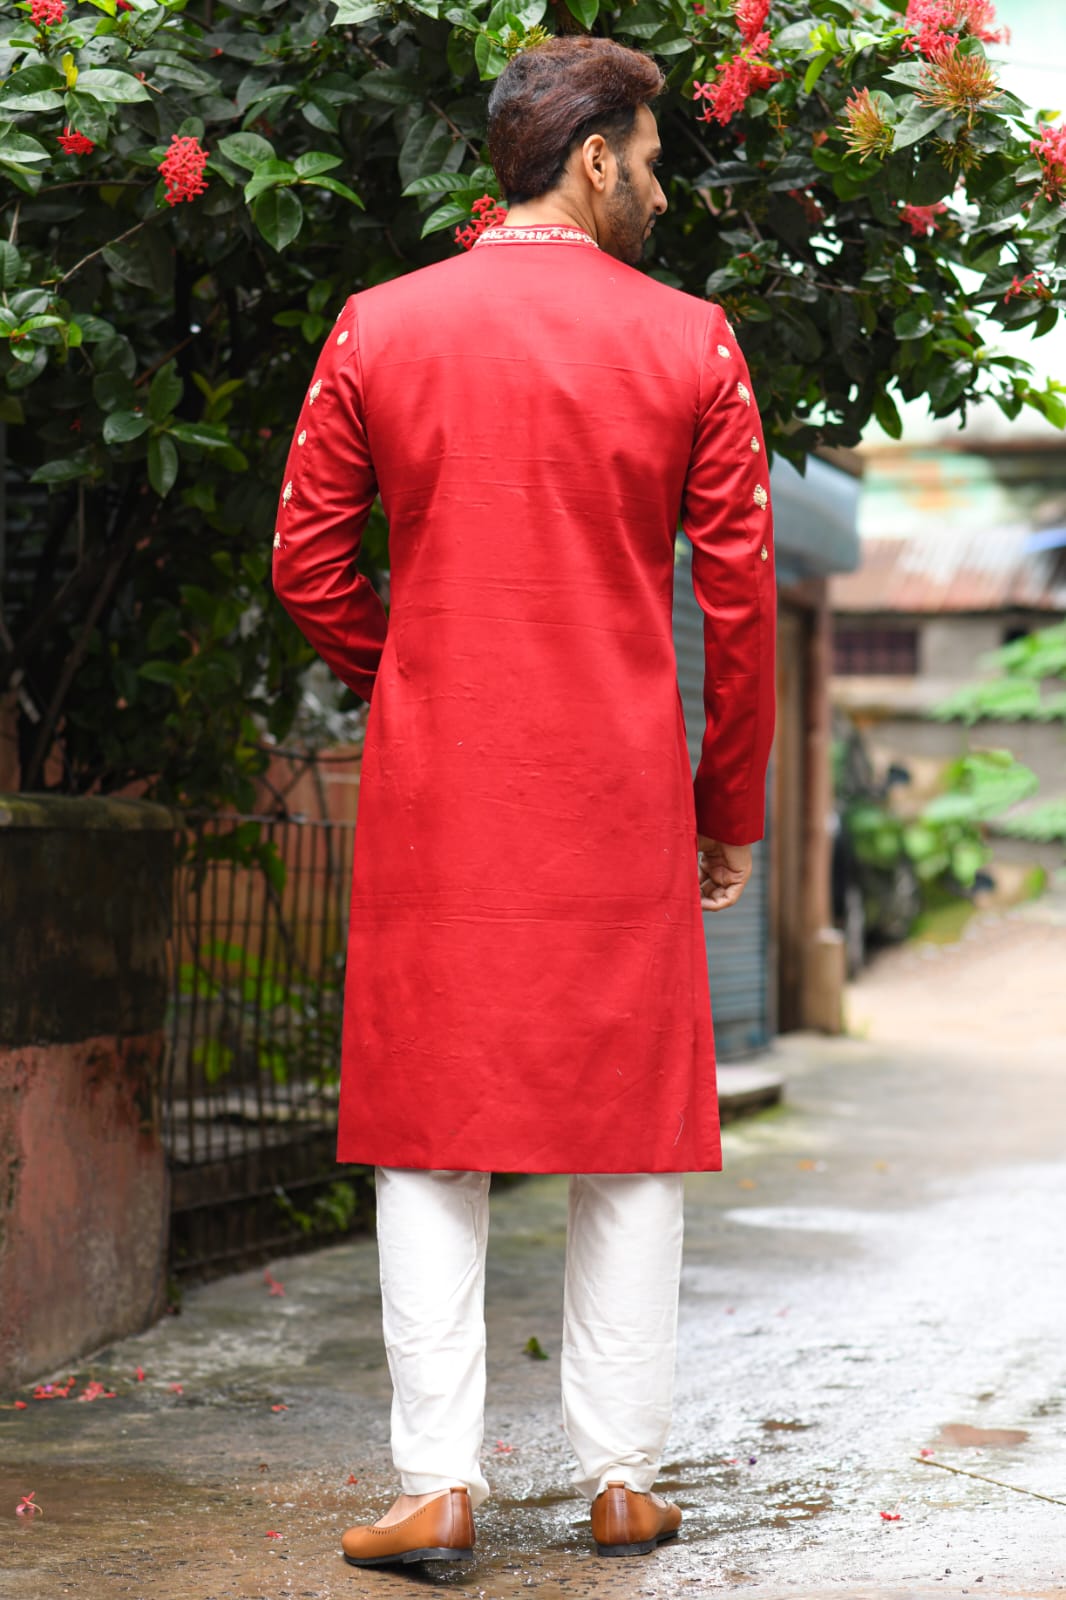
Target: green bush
<point>161,301</point>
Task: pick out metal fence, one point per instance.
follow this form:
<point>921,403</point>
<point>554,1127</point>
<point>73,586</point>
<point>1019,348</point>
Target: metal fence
<point>253,1060</point>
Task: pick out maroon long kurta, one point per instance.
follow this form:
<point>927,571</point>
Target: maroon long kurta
<point>527,983</point>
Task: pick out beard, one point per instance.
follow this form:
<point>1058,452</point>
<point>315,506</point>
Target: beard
<point>626,220</point>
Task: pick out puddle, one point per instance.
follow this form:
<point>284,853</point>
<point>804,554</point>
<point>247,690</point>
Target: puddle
<point>789,1511</point>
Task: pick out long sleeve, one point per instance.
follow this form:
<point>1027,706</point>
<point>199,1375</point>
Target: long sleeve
<point>726,514</point>
<point>328,491</point>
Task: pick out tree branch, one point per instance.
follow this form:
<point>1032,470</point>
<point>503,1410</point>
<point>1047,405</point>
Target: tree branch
<point>137,226</point>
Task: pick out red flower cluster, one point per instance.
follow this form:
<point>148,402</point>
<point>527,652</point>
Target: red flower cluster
<point>487,214</point>
<point>96,1391</point>
<point>736,81</point>
<point>53,1391</point>
<point>922,219</point>
<point>61,1391</point>
<point>751,17</point>
<point>1050,151</point>
<point>47,13</point>
<point>73,143</point>
<point>1031,287</point>
<point>937,24</point>
<point>183,169</point>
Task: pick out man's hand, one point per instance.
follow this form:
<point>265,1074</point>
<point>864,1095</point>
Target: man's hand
<point>724,870</point>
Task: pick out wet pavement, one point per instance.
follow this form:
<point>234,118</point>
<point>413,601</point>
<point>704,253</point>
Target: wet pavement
<point>881,1271</point>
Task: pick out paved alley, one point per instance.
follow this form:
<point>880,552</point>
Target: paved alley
<point>875,1292</point>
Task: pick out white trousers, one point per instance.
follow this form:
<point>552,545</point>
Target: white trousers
<point>623,1264</point>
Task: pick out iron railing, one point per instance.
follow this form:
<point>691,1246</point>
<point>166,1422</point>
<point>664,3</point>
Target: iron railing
<point>253,1059</point>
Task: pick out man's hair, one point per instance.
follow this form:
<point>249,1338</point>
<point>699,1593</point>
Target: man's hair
<point>552,97</point>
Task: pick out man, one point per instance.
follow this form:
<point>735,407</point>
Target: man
<point>527,983</point>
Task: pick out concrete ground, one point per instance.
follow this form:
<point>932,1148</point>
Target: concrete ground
<point>880,1271</point>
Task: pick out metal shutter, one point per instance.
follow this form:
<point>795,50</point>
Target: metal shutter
<point>738,939</point>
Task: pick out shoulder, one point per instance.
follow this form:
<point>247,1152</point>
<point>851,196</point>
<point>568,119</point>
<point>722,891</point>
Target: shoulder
<point>400,295</point>
<point>700,319</point>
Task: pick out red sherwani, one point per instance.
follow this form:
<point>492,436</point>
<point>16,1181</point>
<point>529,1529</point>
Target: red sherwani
<point>527,979</point>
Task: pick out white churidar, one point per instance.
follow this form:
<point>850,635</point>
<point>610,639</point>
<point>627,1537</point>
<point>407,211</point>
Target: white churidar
<point>623,1267</point>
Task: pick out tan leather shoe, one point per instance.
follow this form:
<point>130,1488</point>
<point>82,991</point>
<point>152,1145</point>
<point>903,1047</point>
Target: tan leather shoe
<point>441,1530</point>
<point>625,1523</point>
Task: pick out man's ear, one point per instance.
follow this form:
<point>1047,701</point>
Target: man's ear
<point>594,155</point>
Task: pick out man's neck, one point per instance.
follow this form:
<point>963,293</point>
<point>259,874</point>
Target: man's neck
<point>551,211</point>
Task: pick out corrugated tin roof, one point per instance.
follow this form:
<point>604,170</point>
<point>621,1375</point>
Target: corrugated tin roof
<point>954,531</point>
<point>953,569</point>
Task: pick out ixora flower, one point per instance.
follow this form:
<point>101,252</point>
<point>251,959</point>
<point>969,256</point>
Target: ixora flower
<point>866,129</point>
<point>183,169</point>
<point>1031,287</point>
<point>488,213</point>
<point>736,81</point>
<point>73,143</point>
<point>47,13</point>
<point>922,219</point>
<point>1050,151</point>
<point>937,24</point>
<point>751,17</point>
<point>959,83</point>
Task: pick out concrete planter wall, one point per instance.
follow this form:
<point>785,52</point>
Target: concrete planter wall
<point>85,891</point>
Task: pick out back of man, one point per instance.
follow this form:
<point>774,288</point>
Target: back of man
<point>527,982</point>
<point>530,412</point>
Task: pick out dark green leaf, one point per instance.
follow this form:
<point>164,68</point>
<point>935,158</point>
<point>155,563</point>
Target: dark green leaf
<point>334,186</point>
<point>87,115</point>
<point>438,183</point>
<point>145,260</point>
<point>795,36</point>
<point>208,435</point>
<point>912,325</point>
<point>586,11</point>
<point>20,148</point>
<point>33,89</point>
<point>246,150</point>
<point>446,216</point>
<point>279,216</point>
<point>165,392</point>
<point>162,464</point>
<point>490,56</point>
<point>887,415</point>
<point>919,122</point>
<point>267,175</point>
<point>315,162</point>
<point>61,471</point>
<point>11,267</point>
<point>110,86</point>
<point>815,70</point>
<point>121,426</point>
<point>350,13</point>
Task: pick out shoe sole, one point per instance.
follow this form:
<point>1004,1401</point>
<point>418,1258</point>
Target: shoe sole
<point>403,1557</point>
<point>643,1549</point>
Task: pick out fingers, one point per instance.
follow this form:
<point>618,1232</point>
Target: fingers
<point>720,897</point>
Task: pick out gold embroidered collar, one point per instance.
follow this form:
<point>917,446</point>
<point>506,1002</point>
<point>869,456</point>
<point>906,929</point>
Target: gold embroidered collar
<point>536,233</point>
